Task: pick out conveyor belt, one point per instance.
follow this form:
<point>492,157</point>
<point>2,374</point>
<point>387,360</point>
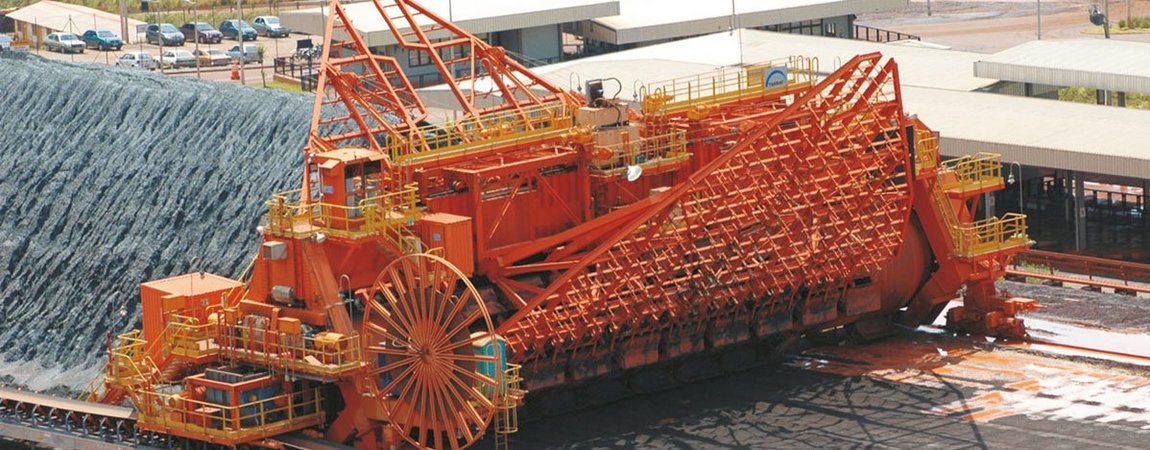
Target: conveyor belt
<point>118,412</point>
<point>59,422</point>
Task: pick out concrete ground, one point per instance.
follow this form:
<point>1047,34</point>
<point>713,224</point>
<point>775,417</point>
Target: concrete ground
<point>919,390</point>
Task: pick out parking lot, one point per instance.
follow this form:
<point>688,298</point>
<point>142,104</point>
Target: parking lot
<point>253,73</point>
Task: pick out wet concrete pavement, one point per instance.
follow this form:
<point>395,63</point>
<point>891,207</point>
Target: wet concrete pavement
<point>917,390</point>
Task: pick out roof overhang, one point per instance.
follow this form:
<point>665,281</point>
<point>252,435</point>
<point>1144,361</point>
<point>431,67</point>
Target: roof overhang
<point>1121,66</point>
<point>643,21</point>
<point>69,17</point>
<point>1036,132</point>
<point>475,17</point>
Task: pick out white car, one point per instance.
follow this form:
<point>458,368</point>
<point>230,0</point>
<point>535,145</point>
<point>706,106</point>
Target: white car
<point>212,57</point>
<point>174,59</point>
<point>143,60</point>
<point>64,43</point>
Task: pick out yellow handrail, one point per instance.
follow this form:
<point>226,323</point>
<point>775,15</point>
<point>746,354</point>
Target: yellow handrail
<point>171,411</point>
<point>992,235</point>
<point>293,352</point>
<point>926,152</point>
<point>472,133</point>
<point>645,151</point>
<point>289,216</point>
<point>726,84</point>
<point>973,172</point>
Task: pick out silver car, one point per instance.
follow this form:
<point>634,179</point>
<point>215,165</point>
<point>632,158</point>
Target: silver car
<point>251,53</point>
<point>174,59</point>
<point>64,43</point>
<point>142,60</point>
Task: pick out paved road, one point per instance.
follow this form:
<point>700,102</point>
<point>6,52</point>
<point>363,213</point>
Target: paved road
<point>991,26</point>
<point>915,391</point>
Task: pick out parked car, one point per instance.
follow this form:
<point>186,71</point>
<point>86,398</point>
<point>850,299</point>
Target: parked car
<point>101,39</point>
<point>175,59</point>
<point>231,29</point>
<point>64,43</point>
<point>143,60</point>
<point>251,53</point>
<point>202,31</point>
<point>212,57</point>
<point>163,34</point>
<point>5,43</point>
<point>270,26</point>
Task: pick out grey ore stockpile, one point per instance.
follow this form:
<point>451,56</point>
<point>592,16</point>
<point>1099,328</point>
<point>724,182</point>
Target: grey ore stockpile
<point>112,177</point>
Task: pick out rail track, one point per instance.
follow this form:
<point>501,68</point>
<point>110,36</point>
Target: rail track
<point>1126,278</point>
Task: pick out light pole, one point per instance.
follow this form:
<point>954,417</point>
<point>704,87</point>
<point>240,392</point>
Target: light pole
<point>196,33</point>
<point>1039,19</point>
<point>1010,180</point>
<point>240,37</point>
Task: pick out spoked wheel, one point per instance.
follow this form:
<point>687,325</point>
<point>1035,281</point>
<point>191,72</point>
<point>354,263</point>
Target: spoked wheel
<point>419,327</point>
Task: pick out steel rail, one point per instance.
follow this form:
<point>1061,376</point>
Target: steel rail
<point>1124,277</point>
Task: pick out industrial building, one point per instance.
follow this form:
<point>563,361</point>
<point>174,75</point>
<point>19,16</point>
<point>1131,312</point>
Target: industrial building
<point>529,31</point>
<point>538,33</point>
<point>33,22</point>
<point>639,24</point>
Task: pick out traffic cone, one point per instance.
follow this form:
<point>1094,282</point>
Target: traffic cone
<point>235,70</point>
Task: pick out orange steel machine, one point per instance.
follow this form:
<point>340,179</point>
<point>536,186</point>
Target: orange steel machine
<point>426,274</point>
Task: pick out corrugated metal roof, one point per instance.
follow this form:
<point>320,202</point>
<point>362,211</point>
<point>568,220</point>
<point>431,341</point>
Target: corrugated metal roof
<point>68,17</point>
<point>644,21</point>
<point>474,16</point>
<point>946,69</point>
<point>1037,132</point>
<point>1094,63</point>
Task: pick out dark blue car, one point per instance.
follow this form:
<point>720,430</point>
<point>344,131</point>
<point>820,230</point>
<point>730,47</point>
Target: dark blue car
<point>231,29</point>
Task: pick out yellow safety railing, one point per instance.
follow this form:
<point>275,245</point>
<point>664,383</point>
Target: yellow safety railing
<point>725,84</point>
<point>170,411</point>
<point>191,339</point>
<point>653,150</point>
<point>926,153</point>
<point>289,216</point>
<point>973,172</point>
<point>294,352</point>
<point>992,235</point>
<point>946,210</point>
<point>969,173</point>
<point>478,133</point>
<point>507,414</point>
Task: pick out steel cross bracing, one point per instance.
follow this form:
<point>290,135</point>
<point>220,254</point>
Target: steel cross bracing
<point>365,100</point>
<point>719,244</point>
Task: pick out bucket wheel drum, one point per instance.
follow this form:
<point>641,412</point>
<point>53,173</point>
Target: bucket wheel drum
<point>420,326</point>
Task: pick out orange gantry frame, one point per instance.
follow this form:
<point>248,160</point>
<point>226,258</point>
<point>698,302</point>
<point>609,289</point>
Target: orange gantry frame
<point>424,266</point>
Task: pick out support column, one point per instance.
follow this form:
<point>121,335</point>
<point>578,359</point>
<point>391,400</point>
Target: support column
<point>1079,211</point>
<point>1142,202</point>
<point>1064,191</point>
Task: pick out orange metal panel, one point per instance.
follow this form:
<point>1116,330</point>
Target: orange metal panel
<point>453,234</point>
<point>182,292</point>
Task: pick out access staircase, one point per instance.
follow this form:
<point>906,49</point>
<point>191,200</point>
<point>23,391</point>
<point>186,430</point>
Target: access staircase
<point>979,250</point>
